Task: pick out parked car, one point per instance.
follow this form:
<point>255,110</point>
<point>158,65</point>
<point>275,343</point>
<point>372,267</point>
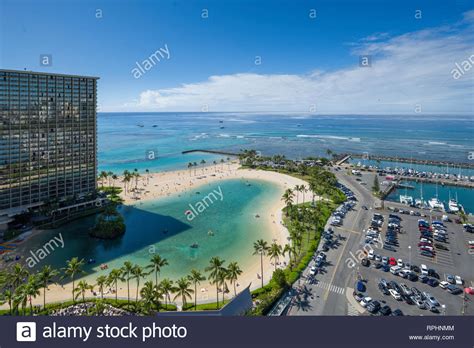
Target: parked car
<point>365,301</point>
<point>405,289</point>
<point>444,284</point>
<point>383,289</point>
<point>459,280</point>
<point>431,299</point>
<point>365,262</point>
<point>385,310</point>
<point>454,289</point>
<point>373,306</point>
<point>397,313</point>
<point>420,303</point>
<point>432,282</point>
<point>450,279</point>
<point>395,294</point>
<point>358,297</point>
<point>424,269</point>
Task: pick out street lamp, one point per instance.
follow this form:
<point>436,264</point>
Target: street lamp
<point>444,309</point>
<point>409,254</point>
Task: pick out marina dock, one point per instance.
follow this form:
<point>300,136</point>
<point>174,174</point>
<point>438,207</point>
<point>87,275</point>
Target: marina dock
<point>408,160</point>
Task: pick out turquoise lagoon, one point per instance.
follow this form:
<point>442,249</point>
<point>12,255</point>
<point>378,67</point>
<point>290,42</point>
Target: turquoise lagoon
<point>161,226</point>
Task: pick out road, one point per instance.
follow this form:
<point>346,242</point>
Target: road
<point>329,294</point>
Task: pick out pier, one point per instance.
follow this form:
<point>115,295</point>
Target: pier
<point>409,160</point>
<point>215,152</point>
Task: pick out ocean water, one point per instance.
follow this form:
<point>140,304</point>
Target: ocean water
<point>126,138</point>
<point>465,195</point>
<point>161,226</point>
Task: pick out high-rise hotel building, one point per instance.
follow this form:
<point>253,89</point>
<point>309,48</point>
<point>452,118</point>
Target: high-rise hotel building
<point>48,139</point>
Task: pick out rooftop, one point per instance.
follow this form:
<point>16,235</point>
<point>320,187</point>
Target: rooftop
<point>47,73</point>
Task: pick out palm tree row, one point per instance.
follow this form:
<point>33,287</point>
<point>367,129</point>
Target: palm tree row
<point>20,287</point>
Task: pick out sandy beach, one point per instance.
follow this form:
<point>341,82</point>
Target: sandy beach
<point>155,185</point>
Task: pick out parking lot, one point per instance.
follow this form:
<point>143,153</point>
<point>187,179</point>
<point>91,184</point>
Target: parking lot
<point>454,261</point>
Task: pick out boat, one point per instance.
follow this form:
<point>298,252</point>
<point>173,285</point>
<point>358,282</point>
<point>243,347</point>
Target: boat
<point>404,199</point>
<point>194,245</point>
<point>435,204</point>
<point>453,206</point>
<point>210,233</point>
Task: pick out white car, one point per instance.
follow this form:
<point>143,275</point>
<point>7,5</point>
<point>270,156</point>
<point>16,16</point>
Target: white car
<point>444,284</point>
<point>378,258</point>
<point>371,254</point>
<point>365,301</point>
<point>395,294</point>
<point>459,280</point>
<point>394,270</point>
<point>399,263</point>
<point>424,270</point>
<point>313,270</point>
<point>385,260</point>
<point>424,240</point>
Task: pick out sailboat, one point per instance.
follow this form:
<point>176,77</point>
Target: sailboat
<point>419,202</point>
<point>435,203</point>
<point>453,205</point>
<point>406,199</point>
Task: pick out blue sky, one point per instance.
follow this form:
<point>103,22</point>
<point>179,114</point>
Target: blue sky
<point>306,63</point>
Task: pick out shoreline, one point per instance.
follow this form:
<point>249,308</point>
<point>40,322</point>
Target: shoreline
<point>155,186</point>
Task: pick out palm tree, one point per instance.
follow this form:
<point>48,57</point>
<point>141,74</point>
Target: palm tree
<point>109,176</point>
<point>114,177</point>
<point>73,268</point>
<point>196,278</point>
<point>20,298</point>
<point>81,289</point>
<point>18,275</point>
<point>45,277</point>
<point>260,247</point>
<point>126,271</point>
<point>216,267</point>
<point>147,171</point>
<point>183,290</point>
<point>114,276</point>
<point>313,187</point>
<point>138,273</point>
<point>190,165</point>
<point>8,296</point>
<point>166,287</point>
<point>288,199</point>
<point>297,189</point>
<point>233,273</point>
<point>156,264</point>
<point>287,249</point>
<point>195,167</point>
<point>32,290</point>
<point>275,252</point>
<point>148,295</point>
<point>102,176</point>
<point>101,282</point>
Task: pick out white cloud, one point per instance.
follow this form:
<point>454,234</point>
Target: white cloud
<point>410,70</point>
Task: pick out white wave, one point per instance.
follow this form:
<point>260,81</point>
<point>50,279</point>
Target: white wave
<point>436,143</point>
<point>335,137</point>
